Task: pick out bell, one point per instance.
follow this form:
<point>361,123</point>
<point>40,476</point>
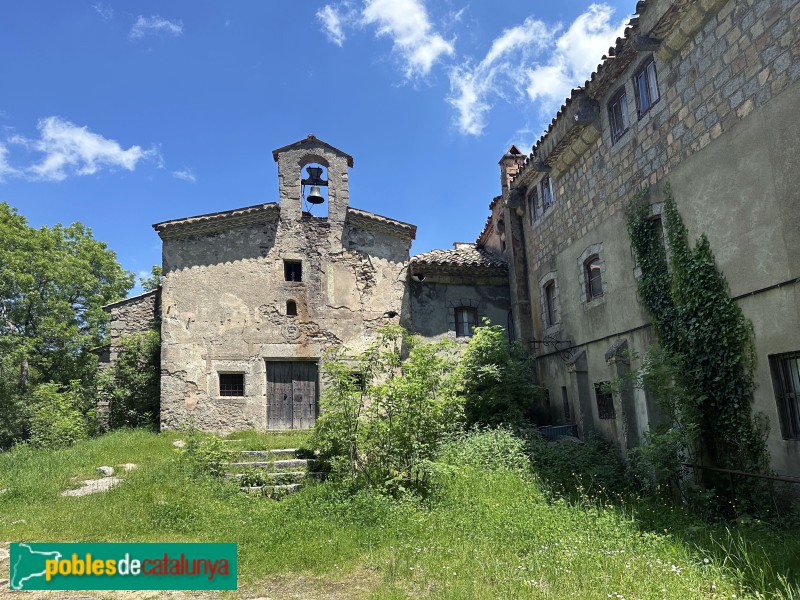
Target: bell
<point>315,196</point>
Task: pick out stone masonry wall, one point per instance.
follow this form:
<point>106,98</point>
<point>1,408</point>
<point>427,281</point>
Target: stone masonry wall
<point>746,54</point>
<point>132,315</point>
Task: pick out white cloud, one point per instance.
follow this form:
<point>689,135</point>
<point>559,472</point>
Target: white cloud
<point>406,22</point>
<point>474,87</point>
<point>154,24</point>
<point>104,11</point>
<point>5,168</point>
<point>185,174</point>
<point>72,150</point>
<point>532,60</point>
<point>577,53</point>
<point>332,20</point>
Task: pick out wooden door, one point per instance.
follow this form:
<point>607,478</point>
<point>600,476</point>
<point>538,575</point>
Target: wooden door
<point>291,394</point>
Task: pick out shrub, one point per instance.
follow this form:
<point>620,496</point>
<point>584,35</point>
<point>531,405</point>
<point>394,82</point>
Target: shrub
<point>496,380</point>
<point>383,417</point>
<point>59,418</point>
<point>131,384</point>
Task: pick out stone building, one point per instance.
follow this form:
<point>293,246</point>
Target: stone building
<point>703,95</point>
<point>252,297</point>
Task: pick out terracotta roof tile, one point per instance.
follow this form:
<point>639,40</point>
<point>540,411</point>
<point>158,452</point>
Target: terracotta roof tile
<point>462,256</point>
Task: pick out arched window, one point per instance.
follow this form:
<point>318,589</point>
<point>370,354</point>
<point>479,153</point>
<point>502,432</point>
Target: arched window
<point>593,274</point>
<point>291,308</point>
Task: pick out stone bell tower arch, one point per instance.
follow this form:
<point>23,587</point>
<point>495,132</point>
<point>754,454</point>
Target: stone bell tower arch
<point>293,159</point>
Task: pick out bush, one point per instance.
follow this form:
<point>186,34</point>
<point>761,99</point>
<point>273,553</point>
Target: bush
<point>131,385</point>
<point>383,417</point>
<point>59,418</point>
<point>496,380</point>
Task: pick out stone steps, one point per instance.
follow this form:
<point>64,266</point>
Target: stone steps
<point>272,491</point>
<point>278,465</point>
<point>272,473</point>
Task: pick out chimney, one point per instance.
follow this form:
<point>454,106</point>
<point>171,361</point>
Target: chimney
<point>510,165</point>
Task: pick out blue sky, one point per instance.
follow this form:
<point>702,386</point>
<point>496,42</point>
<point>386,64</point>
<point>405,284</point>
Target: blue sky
<point>124,114</point>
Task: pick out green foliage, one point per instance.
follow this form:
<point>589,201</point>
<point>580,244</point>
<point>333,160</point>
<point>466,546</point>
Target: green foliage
<point>486,449</point>
<point>54,282</point>
<point>204,454</point>
<point>485,534</point>
<point>706,368</point>
<point>59,418</point>
<point>496,379</point>
<point>589,469</point>
<point>382,417</point>
<point>152,281</point>
<point>131,383</point>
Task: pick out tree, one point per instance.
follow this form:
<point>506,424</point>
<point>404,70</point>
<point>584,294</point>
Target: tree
<point>153,281</point>
<point>54,282</point>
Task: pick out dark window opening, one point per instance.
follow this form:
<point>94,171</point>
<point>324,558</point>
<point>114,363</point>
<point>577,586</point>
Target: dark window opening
<point>549,303</point>
<point>533,202</point>
<point>293,270</point>
<point>466,320</point>
<point>547,192</point>
<point>291,308</point>
<point>359,380</point>
<point>658,225</point>
<point>605,401</point>
<point>390,314</point>
<point>785,370</point>
<point>646,87</point>
<point>594,277</point>
<point>618,114</point>
<point>565,401</point>
<point>231,384</point>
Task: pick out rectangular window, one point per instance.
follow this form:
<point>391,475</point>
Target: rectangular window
<point>565,401</point>
<point>292,270</point>
<point>646,87</point>
<point>605,401</point>
<point>549,303</point>
<point>466,319</point>
<point>533,203</point>
<point>547,192</point>
<point>786,383</point>
<point>231,384</point>
<point>618,114</point>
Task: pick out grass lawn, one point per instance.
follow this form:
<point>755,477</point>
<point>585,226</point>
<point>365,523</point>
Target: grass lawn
<point>481,535</point>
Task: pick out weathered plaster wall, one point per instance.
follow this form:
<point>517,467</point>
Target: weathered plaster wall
<point>434,300</point>
<point>224,307</point>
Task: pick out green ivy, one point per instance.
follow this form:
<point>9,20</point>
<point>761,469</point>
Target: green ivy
<point>705,336</point>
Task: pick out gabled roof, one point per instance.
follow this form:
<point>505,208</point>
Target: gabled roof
<point>218,221</point>
<point>312,140</point>
<point>464,257</point>
<point>368,220</point>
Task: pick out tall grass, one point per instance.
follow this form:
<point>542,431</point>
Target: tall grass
<point>484,532</point>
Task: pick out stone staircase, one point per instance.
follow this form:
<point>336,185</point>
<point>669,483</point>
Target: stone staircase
<point>272,473</point>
